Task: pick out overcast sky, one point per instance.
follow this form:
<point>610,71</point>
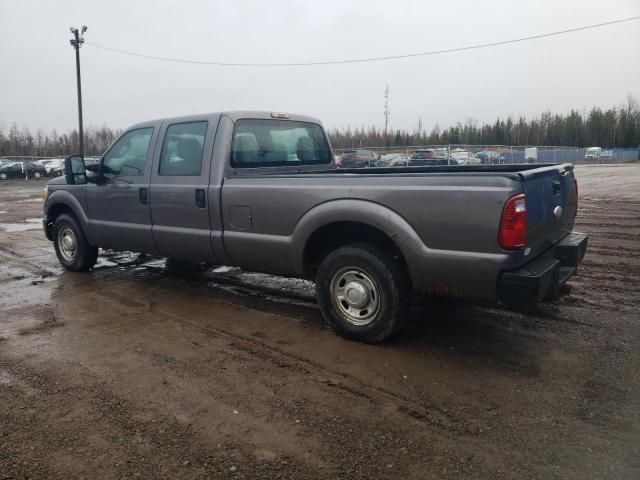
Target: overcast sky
<point>579,70</point>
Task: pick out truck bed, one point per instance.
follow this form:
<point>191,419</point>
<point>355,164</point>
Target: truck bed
<point>511,171</point>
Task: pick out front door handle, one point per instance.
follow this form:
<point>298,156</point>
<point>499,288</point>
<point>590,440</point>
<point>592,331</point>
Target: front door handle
<point>143,196</point>
<point>200,202</point>
<point>119,184</point>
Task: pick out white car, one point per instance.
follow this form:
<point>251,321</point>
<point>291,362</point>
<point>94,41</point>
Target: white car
<point>54,167</point>
<point>463,157</point>
<point>592,153</point>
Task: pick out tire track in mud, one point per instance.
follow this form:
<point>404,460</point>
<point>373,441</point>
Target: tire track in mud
<point>322,374</point>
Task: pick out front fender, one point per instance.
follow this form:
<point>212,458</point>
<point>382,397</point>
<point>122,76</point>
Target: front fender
<point>65,200</point>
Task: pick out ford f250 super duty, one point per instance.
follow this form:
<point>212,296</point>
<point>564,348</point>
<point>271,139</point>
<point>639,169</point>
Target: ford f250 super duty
<point>259,191</point>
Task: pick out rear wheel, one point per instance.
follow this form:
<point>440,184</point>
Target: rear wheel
<point>3,176</point>
<point>36,175</point>
<point>364,292</point>
<point>72,248</point>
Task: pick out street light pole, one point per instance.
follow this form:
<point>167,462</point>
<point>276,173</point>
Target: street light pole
<point>76,42</point>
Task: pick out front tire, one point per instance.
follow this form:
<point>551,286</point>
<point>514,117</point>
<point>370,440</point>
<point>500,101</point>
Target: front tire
<point>364,292</point>
<point>72,248</point>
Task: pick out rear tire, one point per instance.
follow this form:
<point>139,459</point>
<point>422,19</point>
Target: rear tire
<point>72,248</point>
<point>364,292</point>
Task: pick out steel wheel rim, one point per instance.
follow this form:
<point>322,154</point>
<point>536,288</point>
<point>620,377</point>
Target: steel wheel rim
<point>67,244</point>
<point>355,295</point>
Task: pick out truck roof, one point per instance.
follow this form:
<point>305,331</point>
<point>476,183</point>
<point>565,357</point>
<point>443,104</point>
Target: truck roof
<point>233,115</point>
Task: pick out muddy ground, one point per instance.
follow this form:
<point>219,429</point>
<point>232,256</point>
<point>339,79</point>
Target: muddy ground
<point>132,371</point>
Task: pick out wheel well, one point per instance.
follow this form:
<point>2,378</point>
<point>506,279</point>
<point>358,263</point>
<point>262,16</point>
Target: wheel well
<point>58,209</point>
<point>53,213</point>
<point>332,236</point>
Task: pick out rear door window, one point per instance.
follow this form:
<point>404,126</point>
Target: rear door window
<point>182,149</point>
<point>266,143</point>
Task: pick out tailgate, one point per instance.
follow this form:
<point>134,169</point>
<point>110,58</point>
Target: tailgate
<point>551,204</point>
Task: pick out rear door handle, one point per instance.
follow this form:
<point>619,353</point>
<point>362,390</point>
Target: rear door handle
<point>200,202</point>
<point>143,196</point>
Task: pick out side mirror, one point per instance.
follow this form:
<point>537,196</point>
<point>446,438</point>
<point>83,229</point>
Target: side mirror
<point>74,170</point>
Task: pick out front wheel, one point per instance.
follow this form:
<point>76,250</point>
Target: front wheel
<point>364,292</point>
<point>3,176</point>
<point>72,248</point>
<point>36,175</point>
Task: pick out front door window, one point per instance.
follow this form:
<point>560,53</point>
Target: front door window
<point>128,156</point>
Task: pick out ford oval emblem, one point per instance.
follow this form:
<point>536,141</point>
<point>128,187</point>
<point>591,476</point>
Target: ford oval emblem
<point>557,212</point>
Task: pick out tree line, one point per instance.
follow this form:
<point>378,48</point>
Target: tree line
<point>21,142</point>
<point>611,128</point>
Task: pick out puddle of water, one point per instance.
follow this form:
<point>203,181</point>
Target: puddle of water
<point>105,263</point>
<point>28,191</point>
<point>30,224</point>
<point>226,269</point>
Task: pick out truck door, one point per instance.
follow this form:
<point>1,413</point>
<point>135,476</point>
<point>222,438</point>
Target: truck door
<point>178,191</point>
<point>119,215</point>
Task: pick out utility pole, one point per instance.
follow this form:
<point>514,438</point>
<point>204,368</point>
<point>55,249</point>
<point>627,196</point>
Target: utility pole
<point>386,109</point>
<point>76,42</point>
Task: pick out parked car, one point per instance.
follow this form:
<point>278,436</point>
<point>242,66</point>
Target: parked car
<point>488,156</point>
<point>394,160</point>
<point>426,156</point>
<point>91,160</point>
<point>54,167</point>
<point>21,169</point>
<point>463,157</point>
<point>359,158</point>
<point>592,153</point>
<point>370,240</point>
<point>442,153</point>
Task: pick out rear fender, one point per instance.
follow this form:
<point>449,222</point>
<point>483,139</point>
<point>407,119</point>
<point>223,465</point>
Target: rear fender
<point>360,211</point>
<point>433,271</point>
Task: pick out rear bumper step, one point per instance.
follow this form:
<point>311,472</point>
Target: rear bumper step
<point>540,279</point>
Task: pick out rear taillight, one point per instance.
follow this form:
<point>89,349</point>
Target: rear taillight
<point>575,187</point>
<point>513,224</point>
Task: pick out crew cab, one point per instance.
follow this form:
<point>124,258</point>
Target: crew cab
<point>260,191</point>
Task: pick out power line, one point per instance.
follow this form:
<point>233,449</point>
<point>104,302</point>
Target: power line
<point>363,60</point>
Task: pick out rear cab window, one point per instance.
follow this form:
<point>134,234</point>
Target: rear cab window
<point>272,143</point>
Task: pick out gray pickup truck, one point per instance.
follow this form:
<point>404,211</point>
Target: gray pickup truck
<point>260,191</point>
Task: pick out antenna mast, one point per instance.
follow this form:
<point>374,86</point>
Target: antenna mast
<point>386,109</point>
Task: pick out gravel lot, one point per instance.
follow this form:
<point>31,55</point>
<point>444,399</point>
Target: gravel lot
<point>132,371</point>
